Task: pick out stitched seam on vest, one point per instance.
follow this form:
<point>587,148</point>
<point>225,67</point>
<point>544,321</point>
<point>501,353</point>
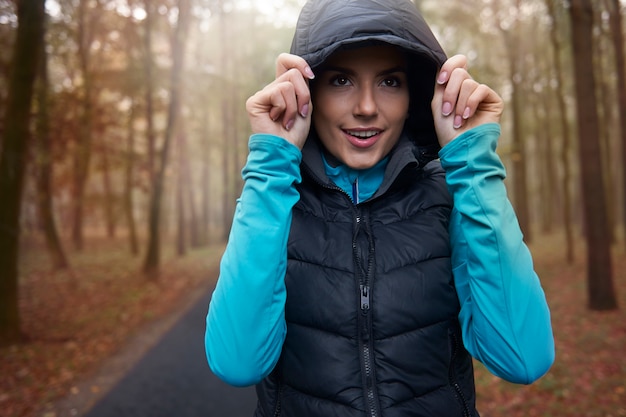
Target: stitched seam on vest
<point>331,332</point>
<point>409,217</point>
<point>412,262</point>
<point>318,265</point>
<point>419,329</point>
<point>328,400</point>
<point>418,397</point>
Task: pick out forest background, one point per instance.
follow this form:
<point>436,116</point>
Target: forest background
<point>123,133</point>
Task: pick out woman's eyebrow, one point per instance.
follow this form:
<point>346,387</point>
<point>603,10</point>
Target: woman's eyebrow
<point>399,68</point>
<point>333,68</point>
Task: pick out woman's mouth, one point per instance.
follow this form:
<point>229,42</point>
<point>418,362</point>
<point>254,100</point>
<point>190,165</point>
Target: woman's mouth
<point>363,138</point>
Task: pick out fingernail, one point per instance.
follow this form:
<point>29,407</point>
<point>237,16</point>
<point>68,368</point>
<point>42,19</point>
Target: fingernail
<point>305,110</point>
<point>446,109</point>
<point>443,76</point>
<point>458,121</point>
<point>466,113</point>
<point>289,124</point>
<point>309,73</point>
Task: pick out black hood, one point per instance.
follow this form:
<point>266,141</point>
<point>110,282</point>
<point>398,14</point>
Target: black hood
<point>324,26</point>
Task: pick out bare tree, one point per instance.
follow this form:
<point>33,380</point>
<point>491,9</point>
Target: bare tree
<point>227,122</point>
<point>565,132</point>
<point>615,21</point>
<point>149,86</point>
<point>153,257</point>
<point>181,218</point>
<point>543,131</point>
<point>129,182</point>
<point>599,265</point>
<point>192,222</point>
<point>515,55</point>
<point>30,31</point>
<point>83,152</point>
<point>44,167</point>
<point>603,60</point>
<point>206,182</point>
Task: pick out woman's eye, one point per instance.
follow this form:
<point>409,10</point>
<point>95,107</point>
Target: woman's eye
<point>340,80</point>
<point>391,82</point>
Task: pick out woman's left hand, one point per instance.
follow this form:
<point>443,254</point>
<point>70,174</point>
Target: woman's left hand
<point>460,103</point>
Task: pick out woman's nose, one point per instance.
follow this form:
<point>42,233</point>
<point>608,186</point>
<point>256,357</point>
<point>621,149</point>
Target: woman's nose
<point>366,105</point>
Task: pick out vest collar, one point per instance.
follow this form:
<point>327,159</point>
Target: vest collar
<point>401,157</point>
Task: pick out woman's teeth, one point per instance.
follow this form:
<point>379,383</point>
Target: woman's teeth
<point>363,134</point>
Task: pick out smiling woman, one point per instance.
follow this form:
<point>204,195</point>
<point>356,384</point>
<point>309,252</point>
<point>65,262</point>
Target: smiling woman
<point>362,272</point>
<point>361,97</point>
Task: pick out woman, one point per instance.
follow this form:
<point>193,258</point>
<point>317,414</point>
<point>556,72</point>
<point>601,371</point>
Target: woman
<point>362,273</point>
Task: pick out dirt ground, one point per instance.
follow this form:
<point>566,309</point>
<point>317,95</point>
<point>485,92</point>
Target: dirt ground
<point>105,310</point>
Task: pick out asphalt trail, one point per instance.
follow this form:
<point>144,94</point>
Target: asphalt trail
<point>173,379</point>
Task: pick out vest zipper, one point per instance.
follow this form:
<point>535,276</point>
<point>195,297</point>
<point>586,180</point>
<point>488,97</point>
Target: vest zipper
<point>278,399</point>
<point>364,290</point>
<point>452,377</point>
<point>365,327</point>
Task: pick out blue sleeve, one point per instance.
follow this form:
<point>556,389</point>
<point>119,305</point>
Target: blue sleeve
<point>245,325</point>
<point>504,314</point>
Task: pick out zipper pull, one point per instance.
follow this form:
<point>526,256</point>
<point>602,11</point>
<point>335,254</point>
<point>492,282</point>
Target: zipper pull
<point>355,191</point>
<point>365,297</point>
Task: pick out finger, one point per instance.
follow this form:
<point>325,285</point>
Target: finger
<point>481,95</point>
<point>467,102</point>
<point>457,61</point>
<point>291,109</point>
<point>301,90</point>
<point>452,90</point>
<point>486,101</point>
<point>286,62</point>
<point>284,104</point>
<point>276,105</point>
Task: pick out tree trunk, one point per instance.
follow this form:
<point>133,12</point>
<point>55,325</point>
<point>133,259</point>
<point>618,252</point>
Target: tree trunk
<point>545,161</point>
<point>153,258</point>
<point>149,86</point>
<point>606,125</point>
<point>192,221</point>
<point>129,181</point>
<point>29,38</point>
<point>109,197</point>
<point>601,291</point>
<point>82,157</point>
<point>518,152</point>
<point>566,140</point>
<point>181,235</point>
<point>44,168</point>
<point>615,20</point>
<point>227,144</point>
<point>206,182</point>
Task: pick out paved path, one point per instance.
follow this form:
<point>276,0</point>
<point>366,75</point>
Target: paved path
<point>173,379</point>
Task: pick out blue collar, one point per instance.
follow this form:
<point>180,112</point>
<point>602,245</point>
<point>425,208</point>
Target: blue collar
<point>358,184</point>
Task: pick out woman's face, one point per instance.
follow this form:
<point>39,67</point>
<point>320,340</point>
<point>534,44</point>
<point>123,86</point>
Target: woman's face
<point>360,103</point>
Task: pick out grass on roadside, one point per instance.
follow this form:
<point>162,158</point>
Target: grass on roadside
<point>75,319</point>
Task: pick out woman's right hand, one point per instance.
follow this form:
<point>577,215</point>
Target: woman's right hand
<point>283,107</point>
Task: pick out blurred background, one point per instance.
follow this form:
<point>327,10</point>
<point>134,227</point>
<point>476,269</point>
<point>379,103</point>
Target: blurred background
<point>123,133</point>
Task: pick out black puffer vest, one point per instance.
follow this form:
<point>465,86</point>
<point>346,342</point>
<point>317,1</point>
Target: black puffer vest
<point>372,327</point>
<point>371,310</point>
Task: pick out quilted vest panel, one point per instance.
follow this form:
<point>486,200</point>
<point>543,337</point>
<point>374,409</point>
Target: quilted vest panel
<point>371,309</point>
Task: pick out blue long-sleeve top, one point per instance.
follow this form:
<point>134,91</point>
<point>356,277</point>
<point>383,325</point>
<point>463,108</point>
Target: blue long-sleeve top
<point>504,315</point>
